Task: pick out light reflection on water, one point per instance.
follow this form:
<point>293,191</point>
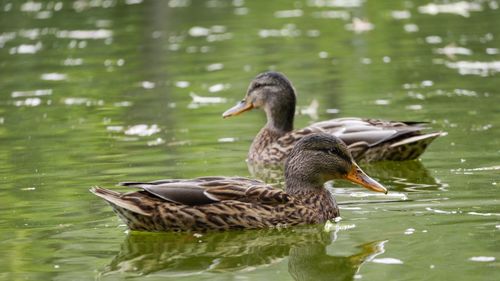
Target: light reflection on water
<point>97,92</point>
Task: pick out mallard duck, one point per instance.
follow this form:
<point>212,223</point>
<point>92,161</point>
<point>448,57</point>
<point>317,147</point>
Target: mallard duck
<point>367,139</point>
<point>221,203</point>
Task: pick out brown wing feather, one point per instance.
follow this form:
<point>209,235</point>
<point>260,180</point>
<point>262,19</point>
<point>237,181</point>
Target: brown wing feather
<point>208,190</point>
<point>367,139</point>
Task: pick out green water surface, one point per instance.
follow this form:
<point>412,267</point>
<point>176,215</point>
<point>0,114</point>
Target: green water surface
<point>93,92</point>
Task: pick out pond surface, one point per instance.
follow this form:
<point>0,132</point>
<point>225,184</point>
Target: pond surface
<point>102,91</point>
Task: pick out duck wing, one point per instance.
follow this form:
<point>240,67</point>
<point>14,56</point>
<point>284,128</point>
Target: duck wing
<point>369,131</point>
<point>207,190</point>
<point>367,139</point>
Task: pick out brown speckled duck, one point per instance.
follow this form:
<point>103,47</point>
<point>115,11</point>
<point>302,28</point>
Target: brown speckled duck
<point>221,203</point>
<point>367,139</point>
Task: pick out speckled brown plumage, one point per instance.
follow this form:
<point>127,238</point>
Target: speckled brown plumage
<point>368,139</point>
<point>221,203</point>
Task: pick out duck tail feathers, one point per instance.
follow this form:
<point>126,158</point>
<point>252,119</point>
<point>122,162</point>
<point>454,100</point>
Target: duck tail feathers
<point>423,139</point>
<point>116,200</point>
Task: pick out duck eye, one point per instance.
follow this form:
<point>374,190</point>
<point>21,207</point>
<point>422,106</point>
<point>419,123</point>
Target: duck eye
<point>332,151</point>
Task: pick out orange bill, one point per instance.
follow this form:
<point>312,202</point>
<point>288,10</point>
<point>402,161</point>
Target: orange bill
<point>356,175</point>
<point>240,107</point>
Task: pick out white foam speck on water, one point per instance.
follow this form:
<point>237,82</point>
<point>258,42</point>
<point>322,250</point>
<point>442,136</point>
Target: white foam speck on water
<point>33,33</point>
<point>53,76</point>
<point>462,8</point>
<point>492,51</point>
<point>288,30</point>
<point>82,101</point>
<point>479,68</point>
<point>336,3</point>
<point>335,225</point>
<point>452,50</point>
<point>214,66</point>
<point>382,102</point>
<point>32,102</point>
<point>31,6</point>
<point>241,11</point>
<point>199,31</point>
<point>390,195</point>
<point>483,214</point>
<point>26,49</point>
<point>433,39</point>
<point>345,226</point>
<point>44,15</point>
<point>6,37</point>
<point>133,2</point>
<point>148,84</point>
<point>313,33</point>
<point>332,110</point>
<point>179,3</point>
<point>334,14</point>
<point>182,84</point>
<point>410,27</point>
<point>427,83</point>
<point>114,128</point>
<point>206,100</point>
<point>73,61</point>
<point>227,139</point>
<point>387,261</point>
<point>217,88</point>
<point>440,211</point>
<point>288,13</point>
<point>359,25</point>
<point>470,170</point>
<point>311,110</point>
<point>155,142</point>
<point>482,259</point>
<point>122,104</point>
<point>85,34</point>
<point>414,107</point>
<point>35,93</point>
<point>409,231</point>
<point>401,15</point>
<point>142,130</point>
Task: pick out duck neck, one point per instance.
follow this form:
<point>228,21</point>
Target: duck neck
<point>279,123</point>
<point>297,184</point>
<point>315,196</point>
<point>280,117</point>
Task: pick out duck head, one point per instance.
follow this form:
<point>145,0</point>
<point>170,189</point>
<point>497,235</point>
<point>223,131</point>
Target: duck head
<point>318,158</point>
<point>273,93</point>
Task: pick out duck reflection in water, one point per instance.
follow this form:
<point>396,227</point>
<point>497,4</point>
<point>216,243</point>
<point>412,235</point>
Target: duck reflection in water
<point>177,255</point>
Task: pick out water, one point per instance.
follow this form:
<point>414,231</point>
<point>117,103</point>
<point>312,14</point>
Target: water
<point>96,92</point>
